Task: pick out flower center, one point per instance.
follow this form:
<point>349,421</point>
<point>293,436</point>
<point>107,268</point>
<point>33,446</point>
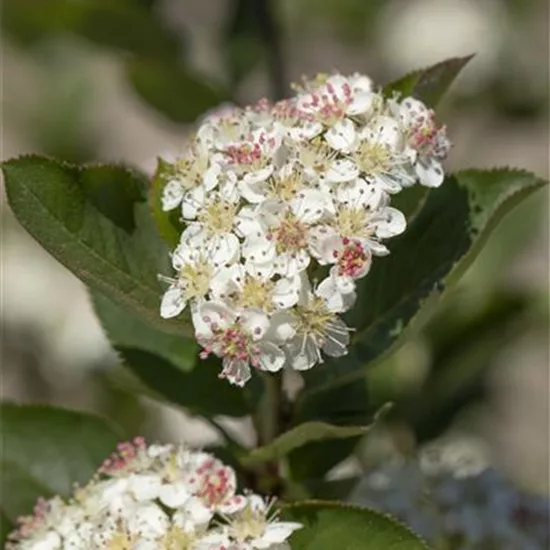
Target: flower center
<point>192,169</point>
<point>285,188</point>
<point>352,259</point>
<point>352,222</point>
<point>218,217</point>
<point>194,279</point>
<point>251,156</point>
<point>177,539</point>
<point>428,138</point>
<point>248,525</point>
<point>121,540</point>
<point>372,158</point>
<point>215,482</point>
<point>256,294</point>
<point>290,235</point>
<point>314,319</point>
<point>316,155</point>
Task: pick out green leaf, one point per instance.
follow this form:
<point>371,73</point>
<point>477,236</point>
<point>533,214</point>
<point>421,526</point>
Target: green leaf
<point>347,404</point>
<point>439,244</point>
<point>127,27</point>
<point>172,90</point>
<point>46,450</point>
<point>302,434</point>
<point>6,527</point>
<point>169,364</point>
<point>200,390</point>
<point>94,220</point>
<point>328,525</point>
<point>126,331</point>
<point>168,223</point>
<point>429,84</point>
<point>243,45</point>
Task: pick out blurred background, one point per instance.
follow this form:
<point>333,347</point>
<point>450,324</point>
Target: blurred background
<point>93,80</point>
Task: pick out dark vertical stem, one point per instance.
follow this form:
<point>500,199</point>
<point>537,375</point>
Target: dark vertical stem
<point>272,41</point>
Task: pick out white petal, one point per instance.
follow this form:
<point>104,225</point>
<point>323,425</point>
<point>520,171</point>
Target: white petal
<point>338,299</point>
<point>210,178</point>
<point>236,372</point>
<point>258,175</point>
<point>342,136</point>
<point>258,249</point>
<point>279,531</point>
<point>388,222</point>
<point>255,322</point>
<point>192,202</point>
<point>216,313</point>
<point>172,303</point>
<point>174,495</point>
<point>282,327</point>
<point>303,353</point>
<point>361,103</point>
<point>144,487</point>
<point>171,195</point>
<point>272,357</point>
<point>336,339</point>
<point>342,170</point>
<point>309,206</point>
<point>289,265</point>
<point>147,520</point>
<point>247,222</point>
<point>286,292</point>
<point>183,254</point>
<point>225,249</point>
<point>429,172</point>
<point>253,192</point>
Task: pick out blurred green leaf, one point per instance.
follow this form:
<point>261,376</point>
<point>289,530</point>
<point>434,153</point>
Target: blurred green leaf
<point>345,405</point>
<point>46,450</point>
<point>243,46</point>
<point>429,84</point>
<point>328,525</point>
<point>27,21</point>
<point>439,244</point>
<point>200,390</point>
<point>168,223</point>
<point>126,26</point>
<point>172,90</point>
<point>6,526</point>
<point>462,353</point>
<point>94,220</point>
<point>300,435</point>
<point>126,331</point>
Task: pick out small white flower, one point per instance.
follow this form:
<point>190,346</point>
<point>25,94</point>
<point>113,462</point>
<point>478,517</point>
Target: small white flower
<point>317,328</point>
<point>196,274</point>
<point>238,340</point>
<point>256,528</point>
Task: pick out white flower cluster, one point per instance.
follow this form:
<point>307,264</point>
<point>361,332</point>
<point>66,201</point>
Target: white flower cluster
<point>482,511</point>
<point>157,497</point>
<point>283,206</point>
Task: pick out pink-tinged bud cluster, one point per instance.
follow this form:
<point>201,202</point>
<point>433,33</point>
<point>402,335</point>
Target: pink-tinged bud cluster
<point>279,194</point>
<point>352,259</point>
<point>126,453</point>
<point>155,497</point>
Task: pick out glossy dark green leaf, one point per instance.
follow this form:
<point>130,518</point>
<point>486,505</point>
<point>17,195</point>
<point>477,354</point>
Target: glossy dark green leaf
<point>439,244</point>
<point>46,450</point>
<point>429,84</point>
<point>168,223</point>
<point>328,525</point>
<point>172,90</point>
<point>126,331</point>
<point>94,220</point>
<point>200,390</point>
